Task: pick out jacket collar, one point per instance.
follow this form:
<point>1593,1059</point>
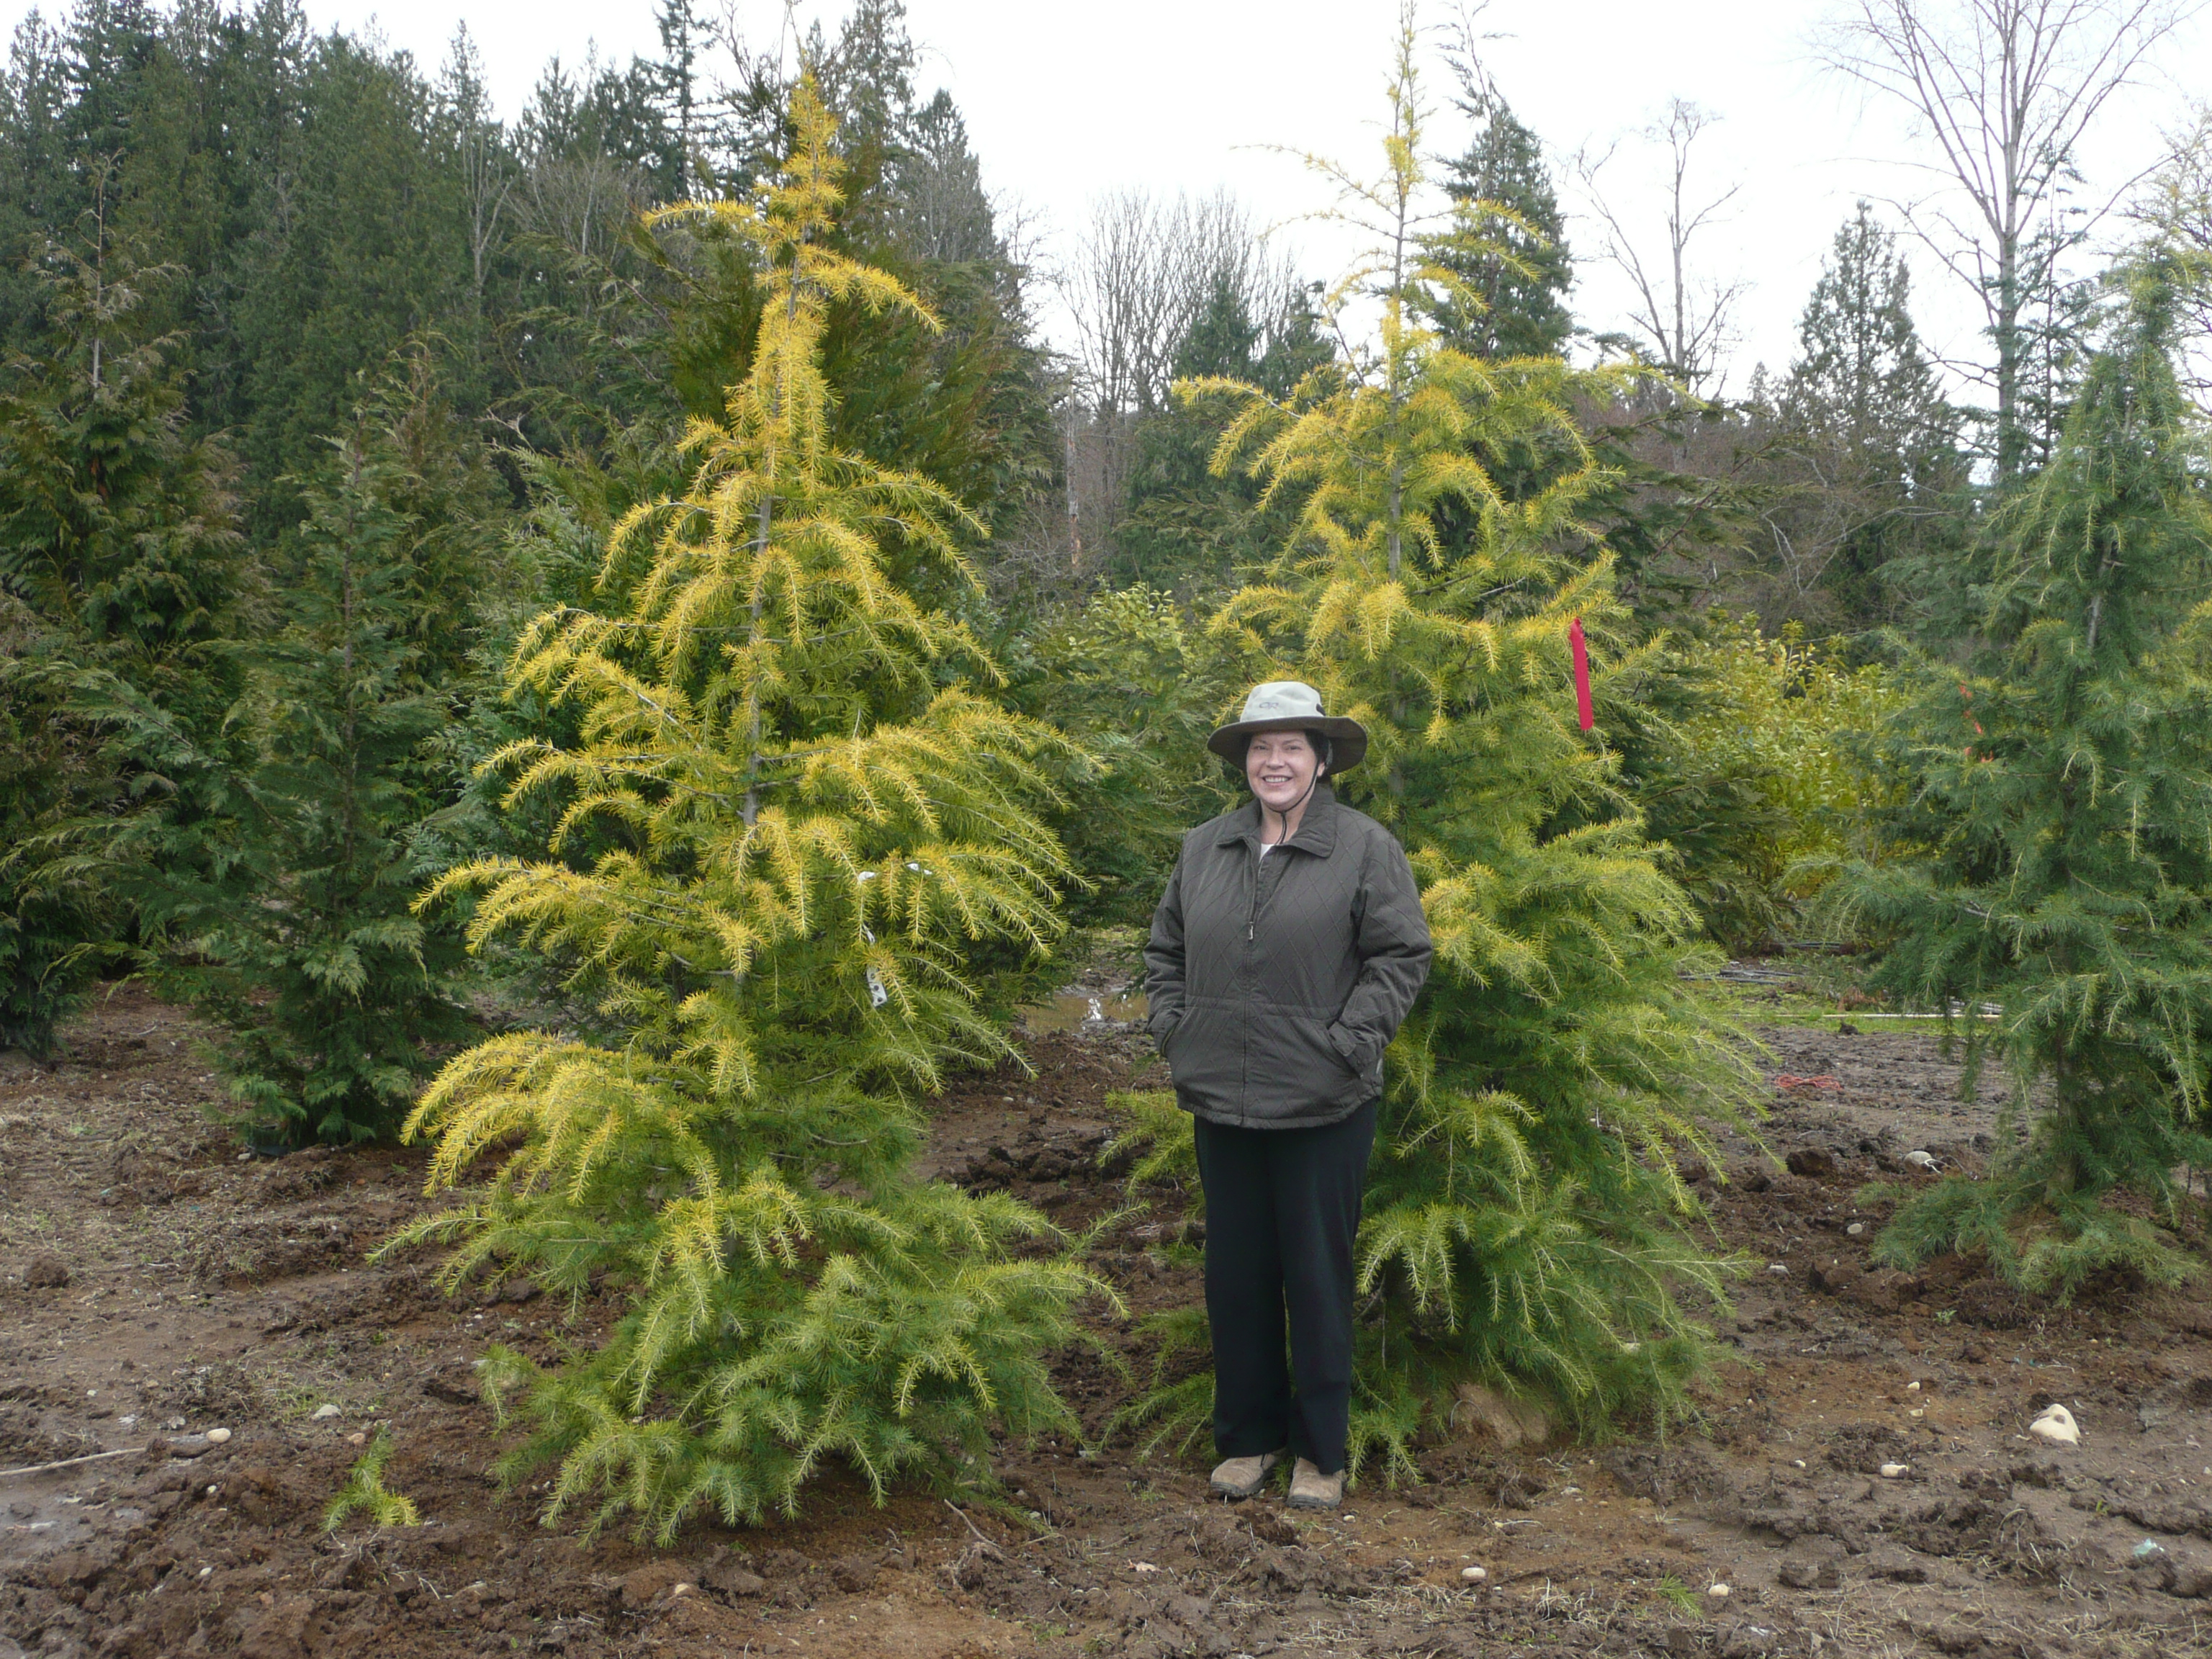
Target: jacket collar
<point>1317,829</point>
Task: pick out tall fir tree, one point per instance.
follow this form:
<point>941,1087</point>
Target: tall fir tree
<point>813,819</point>
<point>1524,1226</point>
<point>2055,846</point>
<point>1507,256</point>
<point>1867,434</point>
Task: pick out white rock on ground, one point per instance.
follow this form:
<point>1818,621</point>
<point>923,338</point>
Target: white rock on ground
<point>324,1412</point>
<point>1895,1471</point>
<point>2057,1426</point>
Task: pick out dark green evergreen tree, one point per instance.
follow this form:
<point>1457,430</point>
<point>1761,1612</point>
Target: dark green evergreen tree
<point>1866,445</point>
<point>1187,526</point>
<point>56,928</point>
<point>2055,849</point>
<point>39,187</point>
<point>366,253</point>
<point>295,927</point>
<point>681,28</point>
<point>119,558</point>
<point>940,211</point>
<point>1508,250</point>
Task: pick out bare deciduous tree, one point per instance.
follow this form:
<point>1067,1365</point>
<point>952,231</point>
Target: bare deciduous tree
<point>1143,274</point>
<point>1683,320</point>
<point>2004,89</point>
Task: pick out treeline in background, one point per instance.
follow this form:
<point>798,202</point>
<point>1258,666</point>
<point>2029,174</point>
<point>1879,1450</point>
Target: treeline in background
<point>681,668</point>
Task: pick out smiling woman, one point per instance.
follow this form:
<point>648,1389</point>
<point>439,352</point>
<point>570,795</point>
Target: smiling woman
<point>1288,946</point>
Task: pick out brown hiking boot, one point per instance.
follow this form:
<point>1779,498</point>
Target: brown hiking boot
<point>1312,1490</point>
<point>1241,1477</point>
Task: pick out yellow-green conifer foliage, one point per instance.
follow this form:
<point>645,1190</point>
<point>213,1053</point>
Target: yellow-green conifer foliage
<point>807,823</point>
<point>1524,1222</point>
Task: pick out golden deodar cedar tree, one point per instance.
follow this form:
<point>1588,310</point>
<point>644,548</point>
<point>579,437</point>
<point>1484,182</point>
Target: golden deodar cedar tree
<point>808,816</point>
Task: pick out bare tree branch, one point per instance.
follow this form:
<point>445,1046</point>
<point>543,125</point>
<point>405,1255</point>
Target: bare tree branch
<point>1686,322</point>
<point>2004,89</point>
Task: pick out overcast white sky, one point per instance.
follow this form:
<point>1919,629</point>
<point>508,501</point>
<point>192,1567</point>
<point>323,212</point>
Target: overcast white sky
<point>1067,100</point>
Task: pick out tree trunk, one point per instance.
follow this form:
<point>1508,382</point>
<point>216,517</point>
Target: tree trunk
<point>2009,447</point>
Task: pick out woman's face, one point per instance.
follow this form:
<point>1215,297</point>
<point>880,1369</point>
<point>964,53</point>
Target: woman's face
<point>1280,767</point>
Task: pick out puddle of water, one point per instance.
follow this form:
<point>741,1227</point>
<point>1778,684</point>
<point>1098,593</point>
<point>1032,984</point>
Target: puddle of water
<point>1072,1010</point>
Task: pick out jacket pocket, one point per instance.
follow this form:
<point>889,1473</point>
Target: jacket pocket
<point>1205,1051</point>
<point>1296,1072</point>
<point>1353,1049</point>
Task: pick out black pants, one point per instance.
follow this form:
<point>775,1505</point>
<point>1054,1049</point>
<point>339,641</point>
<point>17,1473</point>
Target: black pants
<point>1282,1209</point>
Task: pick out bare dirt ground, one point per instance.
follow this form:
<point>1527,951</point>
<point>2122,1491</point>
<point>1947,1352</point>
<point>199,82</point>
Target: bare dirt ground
<point>155,1285</point>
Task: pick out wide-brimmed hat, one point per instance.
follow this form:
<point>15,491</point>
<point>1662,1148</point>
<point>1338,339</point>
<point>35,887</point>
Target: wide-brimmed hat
<point>1290,706</point>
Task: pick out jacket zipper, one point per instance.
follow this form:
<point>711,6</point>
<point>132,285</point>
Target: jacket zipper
<point>1251,979</point>
<point>1252,907</point>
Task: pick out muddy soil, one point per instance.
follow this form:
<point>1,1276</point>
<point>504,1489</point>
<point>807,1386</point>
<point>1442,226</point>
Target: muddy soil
<point>156,1287</point>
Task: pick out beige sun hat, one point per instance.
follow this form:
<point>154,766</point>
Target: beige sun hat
<point>1290,706</point>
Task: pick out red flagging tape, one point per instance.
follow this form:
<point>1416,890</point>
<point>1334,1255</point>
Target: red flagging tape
<point>1583,710</point>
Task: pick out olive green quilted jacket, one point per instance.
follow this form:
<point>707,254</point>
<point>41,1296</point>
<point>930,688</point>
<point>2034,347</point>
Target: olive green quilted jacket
<point>1275,983</point>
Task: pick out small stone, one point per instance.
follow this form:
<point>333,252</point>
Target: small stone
<point>324,1412</point>
<point>1921,1160</point>
<point>2057,1426</point>
<point>46,1271</point>
<point>1796,1462</point>
<point>1856,1229</point>
<point>1895,1471</point>
<point>1913,1387</point>
<point>1776,1267</point>
<point>1719,1592</point>
<point>1473,1575</point>
<point>218,1437</point>
<point>358,1437</point>
<point>654,1579</point>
